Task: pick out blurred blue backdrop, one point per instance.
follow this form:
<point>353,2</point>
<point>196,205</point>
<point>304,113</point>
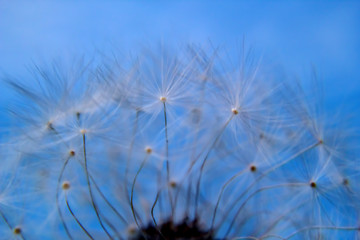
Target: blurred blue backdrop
<point>295,35</point>
<point>291,37</point>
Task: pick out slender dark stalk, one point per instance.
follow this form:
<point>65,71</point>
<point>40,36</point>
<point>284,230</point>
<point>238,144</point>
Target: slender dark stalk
<point>204,162</point>
<point>57,198</point>
<point>195,142</point>
<point>221,193</point>
<point>8,224</point>
<point>153,207</point>
<point>60,176</point>
<point>167,160</point>
<point>322,228</point>
<point>129,155</point>
<point>152,214</point>
<point>167,145</point>
<point>108,202</point>
<point>188,197</point>
<point>90,190</point>
<point>111,225</point>
<point>269,171</point>
<point>132,190</point>
<point>285,215</point>
<point>159,199</point>
<point>76,219</point>
<point>255,193</point>
<point>110,205</point>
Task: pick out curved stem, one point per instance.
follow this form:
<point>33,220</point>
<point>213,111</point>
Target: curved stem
<point>57,198</point>
<point>132,190</point>
<point>204,162</point>
<point>76,219</point>
<point>221,193</point>
<point>271,170</point>
<point>246,238</point>
<point>8,224</point>
<point>129,155</point>
<point>256,192</point>
<point>107,201</point>
<point>322,227</point>
<point>271,236</point>
<point>167,160</point>
<point>90,190</point>
<point>152,214</point>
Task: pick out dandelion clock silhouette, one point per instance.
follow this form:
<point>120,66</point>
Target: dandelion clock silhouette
<point>188,145</point>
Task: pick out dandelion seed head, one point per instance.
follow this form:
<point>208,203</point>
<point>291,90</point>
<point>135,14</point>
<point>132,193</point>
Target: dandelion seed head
<point>184,229</point>
<point>223,162</point>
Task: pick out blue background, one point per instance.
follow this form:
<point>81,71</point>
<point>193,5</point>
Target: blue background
<point>295,35</point>
<point>290,36</point>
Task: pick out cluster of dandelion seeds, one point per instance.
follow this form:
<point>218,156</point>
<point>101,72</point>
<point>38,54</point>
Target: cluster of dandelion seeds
<point>190,145</point>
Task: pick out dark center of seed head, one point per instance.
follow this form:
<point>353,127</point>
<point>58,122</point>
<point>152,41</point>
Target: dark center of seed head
<point>170,230</point>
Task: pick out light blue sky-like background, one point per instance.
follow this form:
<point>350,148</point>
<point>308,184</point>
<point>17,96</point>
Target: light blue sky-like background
<point>295,35</point>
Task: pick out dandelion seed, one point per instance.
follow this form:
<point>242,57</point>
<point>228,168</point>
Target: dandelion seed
<point>148,150</point>
<point>235,111</point>
<point>163,99</point>
<point>65,185</point>
<point>72,153</point>
<point>17,230</point>
<point>172,184</point>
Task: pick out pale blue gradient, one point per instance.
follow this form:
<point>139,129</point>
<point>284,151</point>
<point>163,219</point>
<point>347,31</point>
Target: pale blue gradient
<point>291,37</point>
<point>295,35</point>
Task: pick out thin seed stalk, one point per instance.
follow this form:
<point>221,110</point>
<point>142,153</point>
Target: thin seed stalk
<point>129,155</point>
<point>76,219</point>
<point>221,193</point>
<point>271,170</point>
<point>132,190</point>
<point>57,198</point>
<point>204,162</point>
<point>167,161</point>
<point>152,214</point>
<point>90,190</point>
<point>8,223</point>
<point>255,193</point>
